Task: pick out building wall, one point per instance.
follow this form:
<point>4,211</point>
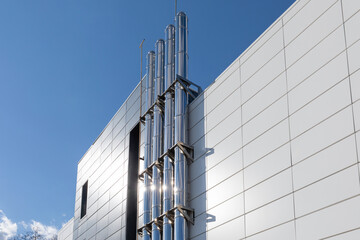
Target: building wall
<point>276,136</point>
<point>66,232</point>
<point>276,139</point>
<point>105,167</point>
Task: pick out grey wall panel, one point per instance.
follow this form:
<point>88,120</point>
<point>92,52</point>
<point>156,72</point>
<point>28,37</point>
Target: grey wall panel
<point>105,167</point>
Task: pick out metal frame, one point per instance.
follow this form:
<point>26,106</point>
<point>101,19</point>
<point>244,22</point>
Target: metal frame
<point>185,83</point>
<point>187,150</point>
<point>188,213</point>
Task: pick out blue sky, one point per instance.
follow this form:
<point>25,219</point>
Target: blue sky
<point>66,66</point>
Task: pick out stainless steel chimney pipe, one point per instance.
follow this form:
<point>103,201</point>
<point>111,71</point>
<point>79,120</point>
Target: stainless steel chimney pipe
<point>168,129</point>
<point>157,136</point>
<point>180,225</point>
<point>150,68</point>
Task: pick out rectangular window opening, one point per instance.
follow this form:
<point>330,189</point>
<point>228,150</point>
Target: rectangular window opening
<point>84,199</point>
<point>133,171</point>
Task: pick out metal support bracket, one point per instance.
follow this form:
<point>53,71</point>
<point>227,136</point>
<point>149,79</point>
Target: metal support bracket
<point>148,171</point>
<point>186,85</point>
<point>188,213</point>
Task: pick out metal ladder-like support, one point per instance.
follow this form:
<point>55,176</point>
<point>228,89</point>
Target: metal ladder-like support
<point>186,150</point>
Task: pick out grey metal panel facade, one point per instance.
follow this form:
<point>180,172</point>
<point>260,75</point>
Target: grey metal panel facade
<point>104,166</point>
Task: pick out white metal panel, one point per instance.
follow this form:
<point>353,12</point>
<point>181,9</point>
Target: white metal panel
<point>134,96</point>
<point>91,232</point>
<point>355,86</point>
<point>197,132</point>
<point>197,113</point>
<point>234,229</point>
<point>223,77</point>
<point>199,237</point>
<point>326,77</point>
<point>226,211</point>
<point>354,57</point>
<point>223,110</point>
<point>305,17</point>
<point>263,77</point>
<point>200,148</point>
<point>317,57</point>
<point>325,163</point>
<point>350,7</point>
<point>198,186</point>
<point>266,143</point>
<point>268,191</point>
<point>116,236</point>
<point>271,31</point>
<point>134,109</point>
<point>352,235</point>
<point>114,213</point>
<point>328,132</point>
<point>267,166</point>
<point>358,143</point>
<point>272,115</point>
<point>229,85</point>
<point>197,168</point>
<point>224,169</point>
<point>294,9</point>
<point>330,190</point>
<point>114,226</point>
<point>352,29</point>
<point>199,204</point>
<point>356,108</point>
<point>283,232</point>
<point>223,149</point>
<point>261,56</point>
<point>264,98</point>
<point>329,221</point>
<point>316,32</point>
<point>120,114</point>
<point>101,235</point>
<point>228,189</point>
<point>270,215</point>
<point>224,129</point>
<point>199,228</point>
<point>321,108</point>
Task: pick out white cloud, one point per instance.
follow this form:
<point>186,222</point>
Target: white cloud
<point>24,224</point>
<point>8,229</point>
<point>47,231</point>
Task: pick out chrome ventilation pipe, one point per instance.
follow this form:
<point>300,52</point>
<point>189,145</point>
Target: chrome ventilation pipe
<point>148,134</point>
<point>168,129</point>
<point>180,172</point>
<point>157,136</point>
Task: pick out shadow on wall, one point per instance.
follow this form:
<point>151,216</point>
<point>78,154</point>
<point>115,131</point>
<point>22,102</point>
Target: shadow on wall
<point>197,176</point>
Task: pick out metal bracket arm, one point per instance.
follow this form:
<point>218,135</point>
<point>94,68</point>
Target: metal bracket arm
<point>185,83</point>
<point>188,213</point>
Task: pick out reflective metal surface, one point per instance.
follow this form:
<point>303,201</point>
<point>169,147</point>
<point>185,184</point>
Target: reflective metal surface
<point>150,68</point>
<point>157,135</point>
<point>180,173</point>
<point>168,128</point>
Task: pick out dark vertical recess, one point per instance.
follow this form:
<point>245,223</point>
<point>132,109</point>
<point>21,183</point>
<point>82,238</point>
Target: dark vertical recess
<point>133,171</point>
<point>84,199</point>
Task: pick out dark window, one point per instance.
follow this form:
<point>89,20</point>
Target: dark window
<point>84,199</point>
<point>133,171</point>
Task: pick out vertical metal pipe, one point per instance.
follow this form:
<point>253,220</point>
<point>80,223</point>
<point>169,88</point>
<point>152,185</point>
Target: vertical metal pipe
<point>180,226</point>
<point>157,136</point>
<point>150,68</point>
<point>168,126</point>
